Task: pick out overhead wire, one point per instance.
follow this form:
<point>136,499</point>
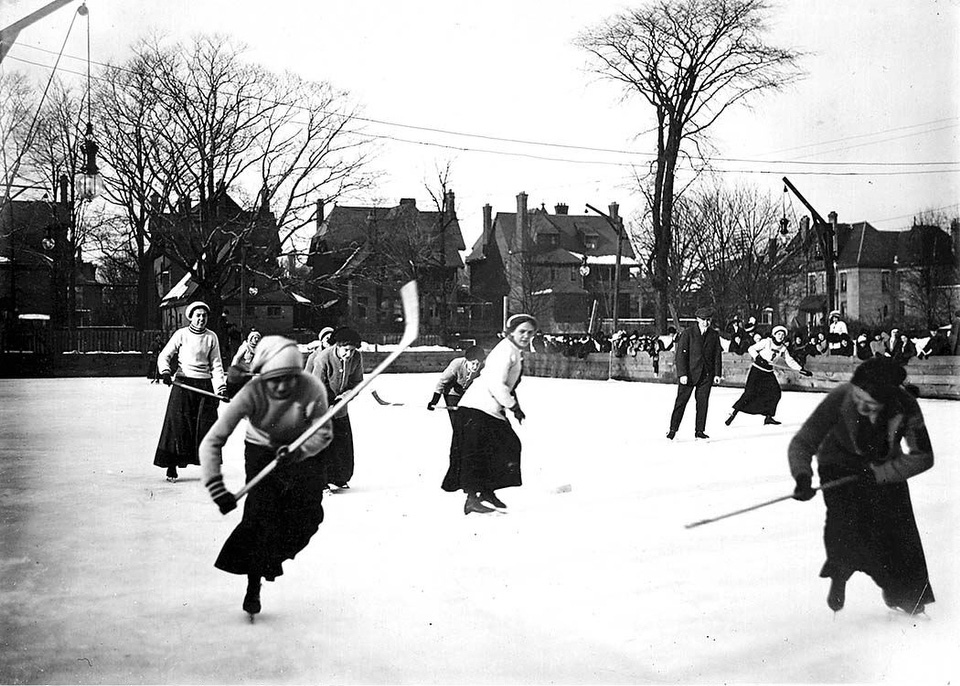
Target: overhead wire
<point>641,154</point>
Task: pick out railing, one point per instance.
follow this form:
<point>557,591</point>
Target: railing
<point>43,341</point>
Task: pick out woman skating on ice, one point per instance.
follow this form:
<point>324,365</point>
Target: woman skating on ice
<point>189,414</point>
<point>490,449</point>
<point>761,393</point>
<point>454,382</point>
<point>871,428</point>
<point>285,509</point>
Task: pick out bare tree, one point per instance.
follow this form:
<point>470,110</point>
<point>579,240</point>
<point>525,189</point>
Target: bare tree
<point>690,60</point>
<point>16,116</point>
<point>199,121</point>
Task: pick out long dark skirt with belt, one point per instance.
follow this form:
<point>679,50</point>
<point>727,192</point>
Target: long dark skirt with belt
<point>451,481</point>
<point>338,456</point>
<point>188,419</point>
<point>280,514</point>
<point>761,394</point>
<point>871,528</point>
<point>489,454</point>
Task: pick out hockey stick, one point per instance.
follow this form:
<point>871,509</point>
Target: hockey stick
<point>823,487</point>
<point>411,328</point>
<point>201,391</point>
<point>381,401</point>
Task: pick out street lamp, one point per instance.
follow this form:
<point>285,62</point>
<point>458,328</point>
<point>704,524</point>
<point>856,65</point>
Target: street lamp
<point>617,225</point>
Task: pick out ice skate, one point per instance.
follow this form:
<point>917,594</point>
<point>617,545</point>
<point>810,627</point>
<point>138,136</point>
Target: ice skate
<point>491,498</point>
<point>700,434</point>
<point>837,594</point>
<point>251,601</point>
<point>770,421</point>
<point>473,504</point>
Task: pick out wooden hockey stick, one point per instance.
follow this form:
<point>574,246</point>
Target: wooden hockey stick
<point>201,391</point>
<point>381,401</point>
<point>823,487</point>
<point>411,328</point>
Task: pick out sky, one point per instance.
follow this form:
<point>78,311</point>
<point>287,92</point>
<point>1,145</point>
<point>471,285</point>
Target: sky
<point>499,91</point>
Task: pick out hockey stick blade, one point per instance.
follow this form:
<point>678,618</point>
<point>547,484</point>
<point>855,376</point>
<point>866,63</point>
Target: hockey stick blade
<point>411,329</point>
<point>824,487</point>
<point>385,403</point>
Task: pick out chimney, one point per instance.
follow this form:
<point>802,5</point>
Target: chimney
<point>156,203</point>
<point>449,206</point>
<point>319,213</point>
<point>832,218</point>
<point>185,204</point>
<point>487,222</point>
<point>955,239</point>
<point>522,219</point>
<point>63,189</point>
<point>412,202</point>
<point>613,209</point>
<point>561,208</point>
<point>804,227</point>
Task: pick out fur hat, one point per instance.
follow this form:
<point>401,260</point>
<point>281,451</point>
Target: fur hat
<point>276,356</point>
<point>199,304</point>
<point>346,336</point>
<point>516,320</point>
<point>880,377</point>
<point>475,352</point>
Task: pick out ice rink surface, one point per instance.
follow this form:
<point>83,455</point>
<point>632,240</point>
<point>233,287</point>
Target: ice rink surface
<point>108,577</point>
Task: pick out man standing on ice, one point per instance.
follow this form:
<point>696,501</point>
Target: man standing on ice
<point>870,429</point>
<point>699,366</point>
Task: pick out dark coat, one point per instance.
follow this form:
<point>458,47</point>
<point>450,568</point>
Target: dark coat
<point>698,355</point>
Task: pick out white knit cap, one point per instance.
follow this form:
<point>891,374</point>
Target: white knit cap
<point>194,305</point>
<point>779,328</point>
<point>276,356</point>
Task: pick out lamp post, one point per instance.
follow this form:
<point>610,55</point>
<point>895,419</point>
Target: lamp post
<point>617,223</point>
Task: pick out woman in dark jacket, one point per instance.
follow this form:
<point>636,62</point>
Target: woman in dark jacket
<point>858,431</point>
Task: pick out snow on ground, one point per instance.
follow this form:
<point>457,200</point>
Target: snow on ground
<point>108,570</point>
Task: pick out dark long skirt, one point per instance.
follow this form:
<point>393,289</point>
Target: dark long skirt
<point>338,456</point>
<point>761,394</point>
<point>188,419</point>
<point>489,454</point>
<point>871,528</point>
<point>280,514</point>
<point>451,481</point>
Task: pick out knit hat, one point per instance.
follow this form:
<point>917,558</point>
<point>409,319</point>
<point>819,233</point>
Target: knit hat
<point>475,352</point>
<point>253,338</point>
<point>778,328</point>
<point>835,313</point>
<point>325,331</point>
<point>516,320</point>
<point>346,336</point>
<point>199,304</point>
<point>276,356</point>
<point>880,377</point>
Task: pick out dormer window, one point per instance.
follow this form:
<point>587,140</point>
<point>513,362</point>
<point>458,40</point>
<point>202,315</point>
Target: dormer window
<point>590,241</point>
<point>549,239</point>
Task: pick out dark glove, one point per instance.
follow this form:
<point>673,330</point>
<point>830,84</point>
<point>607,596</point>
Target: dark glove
<point>224,499</point>
<point>222,392</point>
<point>518,413</point>
<point>803,490</point>
<point>167,379</point>
<point>433,401</point>
<point>806,372</point>
<point>457,388</point>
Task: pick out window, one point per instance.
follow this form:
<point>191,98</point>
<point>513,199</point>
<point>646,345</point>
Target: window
<point>903,308</point>
<point>553,273</point>
<point>885,283</point>
<point>843,283</point>
<point>812,284</point>
<point>362,303</point>
<point>274,311</point>
<point>766,317</point>
<point>843,309</point>
<point>590,241</point>
<point>886,311</point>
<point>573,273</point>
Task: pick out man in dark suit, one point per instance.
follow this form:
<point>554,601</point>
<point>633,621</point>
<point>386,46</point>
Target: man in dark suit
<point>699,366</point>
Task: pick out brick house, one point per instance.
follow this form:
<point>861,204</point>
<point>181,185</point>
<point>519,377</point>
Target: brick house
<point>361,255</point>
<point>553,266</point>
<point>880,275</point>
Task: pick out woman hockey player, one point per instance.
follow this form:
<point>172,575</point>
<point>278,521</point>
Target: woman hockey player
<point>454,382</point>
<point>859,430</point>
<point>340,368</point>
<point>285,509</point>
<point>189,414</point>
<point>490,449</point>
<point>761,393</point>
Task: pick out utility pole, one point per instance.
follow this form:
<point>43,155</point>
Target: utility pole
<point>825,235</point>
<point>617,223</point>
